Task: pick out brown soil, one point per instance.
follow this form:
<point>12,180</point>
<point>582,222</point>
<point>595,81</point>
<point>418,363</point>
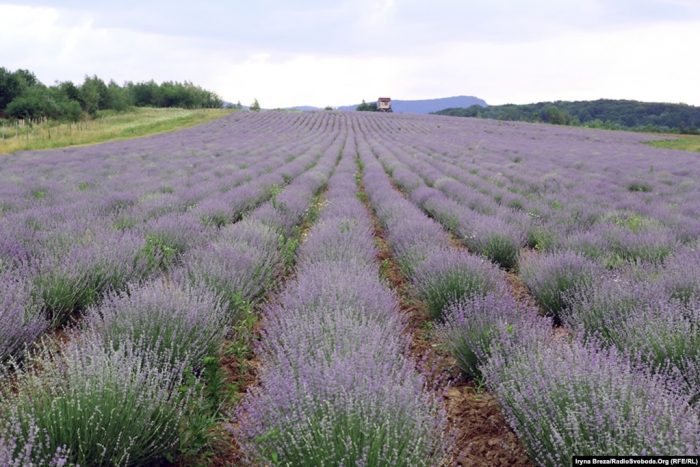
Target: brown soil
<point>482,435</point>
<point>244,374</point>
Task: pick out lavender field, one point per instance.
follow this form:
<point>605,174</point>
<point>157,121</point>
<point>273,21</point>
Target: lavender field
<point>557,268</point>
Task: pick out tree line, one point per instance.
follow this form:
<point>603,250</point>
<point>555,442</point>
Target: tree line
<point>365,107</point>
<point>603,113</point>
<point>23,96</point>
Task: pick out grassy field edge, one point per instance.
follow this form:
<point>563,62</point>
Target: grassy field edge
<point>135,124</point>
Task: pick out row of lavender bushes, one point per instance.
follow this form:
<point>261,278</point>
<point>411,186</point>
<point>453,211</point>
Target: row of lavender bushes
<point>511,348</point>
<point>67,242</point>
<point>560,201</point>
<point>635,309</point>
<point>497,238</point>
<point>438,273</point>
<point>120,390</point>
<point>338,388</point>
<point>648,311</point>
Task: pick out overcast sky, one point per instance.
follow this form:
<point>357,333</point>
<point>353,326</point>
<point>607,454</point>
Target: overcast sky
<point>325,52</point>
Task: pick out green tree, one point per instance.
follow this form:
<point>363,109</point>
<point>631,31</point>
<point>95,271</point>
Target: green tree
<point>25,107</point>
<point>10,87</point>
<point>72,111</point>
<point>255,106</point>
<point>118,97</point>
<point>95,95</point>
<point>70,90</point>
<point>365,107</point>
<point>27,77</point>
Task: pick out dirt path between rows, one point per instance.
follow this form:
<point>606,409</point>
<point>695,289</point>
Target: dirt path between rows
<point>483,437</point>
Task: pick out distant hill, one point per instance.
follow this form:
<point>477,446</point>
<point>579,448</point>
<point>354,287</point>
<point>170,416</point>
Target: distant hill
<point>602,113</point>
<point>304,107</point>
<point>423,106</point>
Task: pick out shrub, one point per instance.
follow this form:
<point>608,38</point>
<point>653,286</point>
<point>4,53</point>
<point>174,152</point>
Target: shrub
<point>589,243</point>
<point>73,279</point>
<point>652,244</point>
<point>357,409</point>
<point>104,406</point>
<point>494,238</point>
<point>451,275</point>
<point>568,399</point>
<point>334,285</point>
<point>413,239</point>
<point>551,276</point>
<point>238,273</point>
<point>475,324</point>
<point>173,234</point>
<point>27,449</point>
<point>680,274</point>
<point>665,336</point>
<point>598,308</point>
<point>21,319</point>
<point>339,240</point>
<point>251,232</point>
<point>337,390</point>
<point>184,323</point>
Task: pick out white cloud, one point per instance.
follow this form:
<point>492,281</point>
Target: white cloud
<point>645,60</point>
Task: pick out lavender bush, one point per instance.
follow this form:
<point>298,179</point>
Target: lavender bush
<point>598,308</point>
<point>641,319</point>
<point>73,279</point>
<point>238,273</point>
<point>653,244</point>
<point>346,413</point>
<point>172,234</point>
<point>550,277</point>
<point>680,274</point>
<point>18,449</point>
<point>413,239</point>
<point>493,238</point>
<point>666,337</point>
<point>98,405</point>
<point>21,318</point>
<point>355,241</point>
<point>338,391</point>
<point>449,276</point>
<point>474,325</point>
<point>250,232</point>
<point>567,399</point>
<point>183,323</point>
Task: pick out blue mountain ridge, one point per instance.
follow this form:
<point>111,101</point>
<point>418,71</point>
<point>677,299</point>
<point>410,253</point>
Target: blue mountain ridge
<point>422,106</point>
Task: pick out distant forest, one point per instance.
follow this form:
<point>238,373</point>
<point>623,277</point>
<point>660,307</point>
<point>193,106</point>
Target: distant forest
<point>604,113</point>
<point>23,96</point>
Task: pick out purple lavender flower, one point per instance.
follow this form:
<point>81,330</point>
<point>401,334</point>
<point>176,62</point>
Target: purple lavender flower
<point>27,449</point>
<point>475,324</point>
<point>98,405</point>
<point>680,274</point>
<point>493,238</point>
<point>550,277</point>
<point>565,399</point>
<point>238,273</point>
<point>21,318</point>
<point>185,323</point>
<point>72,278</point>
<point>449,276</point>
